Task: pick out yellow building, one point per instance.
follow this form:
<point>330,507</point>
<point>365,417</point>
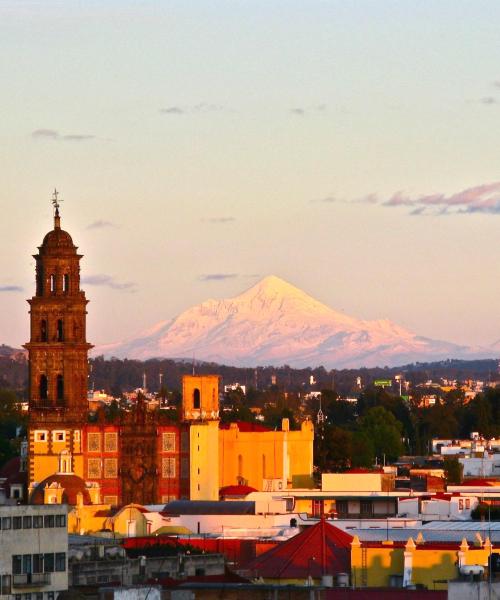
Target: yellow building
<point>416,562</point>
<point>252,455</point>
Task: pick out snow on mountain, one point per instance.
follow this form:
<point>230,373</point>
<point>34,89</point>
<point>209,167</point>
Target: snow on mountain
<point>276,323</point>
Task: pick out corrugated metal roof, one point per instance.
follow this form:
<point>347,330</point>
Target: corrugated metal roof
<point>437,531</point>
<point>207,507</point>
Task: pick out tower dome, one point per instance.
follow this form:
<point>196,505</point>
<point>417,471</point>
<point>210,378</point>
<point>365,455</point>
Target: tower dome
<point>57,242</point>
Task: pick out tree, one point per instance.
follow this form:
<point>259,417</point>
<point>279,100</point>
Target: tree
<point>384,431</point>
<point>363,454</point>
<point>340,445</point>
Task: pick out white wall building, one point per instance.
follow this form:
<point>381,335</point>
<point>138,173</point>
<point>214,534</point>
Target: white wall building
<point>440,507</point>
<point>33,552</point>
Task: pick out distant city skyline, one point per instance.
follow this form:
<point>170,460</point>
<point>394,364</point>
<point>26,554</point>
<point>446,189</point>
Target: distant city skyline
<point>349,148</point>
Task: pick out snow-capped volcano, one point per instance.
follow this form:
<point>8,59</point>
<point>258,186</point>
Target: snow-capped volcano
<point>276,323</point>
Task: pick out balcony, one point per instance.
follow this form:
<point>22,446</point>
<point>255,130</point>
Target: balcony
<point>31,580</point>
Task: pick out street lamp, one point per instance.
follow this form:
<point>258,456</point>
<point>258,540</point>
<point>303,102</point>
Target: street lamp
<point>310,579</point>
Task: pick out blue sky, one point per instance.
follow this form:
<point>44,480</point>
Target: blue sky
<point>201,145</point>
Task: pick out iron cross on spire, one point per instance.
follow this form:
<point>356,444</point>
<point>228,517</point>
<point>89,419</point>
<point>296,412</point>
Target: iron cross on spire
<point>55,201</point>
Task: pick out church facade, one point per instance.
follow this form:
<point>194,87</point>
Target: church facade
<point>141,456</point>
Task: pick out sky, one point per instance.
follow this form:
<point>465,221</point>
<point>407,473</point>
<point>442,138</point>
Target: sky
<point>350,148</point>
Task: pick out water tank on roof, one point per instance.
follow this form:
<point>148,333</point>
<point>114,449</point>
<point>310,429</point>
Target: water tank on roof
<point>342,580</point>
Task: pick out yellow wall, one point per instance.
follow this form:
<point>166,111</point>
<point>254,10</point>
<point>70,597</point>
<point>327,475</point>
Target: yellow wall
<point>204,458</point>
<point>349,482</point>
<point>208,387</point>
<point>88,519</point>
<point>431,566</point>
<point>120,522</point>
<point>43,456</point>
<point>251,457</point>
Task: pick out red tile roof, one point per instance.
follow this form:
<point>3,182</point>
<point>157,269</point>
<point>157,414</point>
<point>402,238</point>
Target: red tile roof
<point>72,485</point>
<point>318,550</point>
<point>236,490</point>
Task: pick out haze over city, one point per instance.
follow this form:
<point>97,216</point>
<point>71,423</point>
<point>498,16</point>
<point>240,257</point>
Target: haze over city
<point>348,148</point>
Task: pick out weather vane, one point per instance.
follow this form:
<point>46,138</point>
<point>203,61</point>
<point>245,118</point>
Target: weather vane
<point>55,201</point>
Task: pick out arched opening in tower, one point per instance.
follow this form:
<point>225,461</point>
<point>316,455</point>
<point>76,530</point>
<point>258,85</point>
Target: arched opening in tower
<point>66,283</point>
<point>60,389</point>
<point>196,398</point>
<point>60,330</point>
<point>43,330</point>
<point>43,387</point>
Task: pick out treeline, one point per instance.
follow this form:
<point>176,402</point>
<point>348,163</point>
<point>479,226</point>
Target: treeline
<point>116,376</point>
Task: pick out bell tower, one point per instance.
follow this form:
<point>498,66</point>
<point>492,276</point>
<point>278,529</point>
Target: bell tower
<point>58,352</point>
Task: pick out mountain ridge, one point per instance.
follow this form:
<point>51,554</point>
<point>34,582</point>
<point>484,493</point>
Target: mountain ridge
<point>274,322</point>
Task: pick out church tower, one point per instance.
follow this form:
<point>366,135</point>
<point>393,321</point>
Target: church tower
<point>58,355</point>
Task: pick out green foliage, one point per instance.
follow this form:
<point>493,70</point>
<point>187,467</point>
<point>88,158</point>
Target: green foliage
<point>453,470</point>
<point>383,430</point>
<point>12,421</point>
<point>363,453</point>
<point>485,512</point>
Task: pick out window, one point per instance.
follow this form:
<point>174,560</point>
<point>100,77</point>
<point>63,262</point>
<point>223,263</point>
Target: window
<point>110,441</point>
<point>76,435</point>
<point>48,521</point>
<point>50,595</point>
<point>112,500</point>
<point>27,563</point>
<point>6,523</point>
<point>60,330</point>
<point>60,561</point>
<point>17,522</point>
<point>94,468</point>
<point>43,331</point>
<point>168,442</point>
<point>37,563</point>
<point>196,399</point>
<point>27,522</point>
<point>48,563</point>
<point>66,283</point>
<point>366,507</point>
<point>94,442</point>
<point>60,520</point>
<point>467,503</point>
<point>168,468</point>
<point>39,596</point>
<point>264,466</point>
<point>52,283</point>
<point>40,436</point>
<point>17,564</point>
<point>58,436</point>
<point>44,387</point>
<point>460,504</point>
<point>342,507</point>
<point>60,388</point>
<point>37,522</point>
<point>110,468</point>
